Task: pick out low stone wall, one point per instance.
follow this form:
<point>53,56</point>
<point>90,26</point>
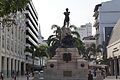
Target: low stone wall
<point>73,74</point>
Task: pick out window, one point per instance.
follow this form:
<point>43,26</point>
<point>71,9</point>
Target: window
<point>12,46</point>
<point>8,45</point>
<point>15,47</point>
<point>3,45</point>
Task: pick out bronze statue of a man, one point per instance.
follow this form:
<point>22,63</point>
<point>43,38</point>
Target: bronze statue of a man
<point>67,19</point>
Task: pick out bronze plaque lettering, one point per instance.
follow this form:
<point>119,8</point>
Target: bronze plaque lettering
<point>67,73</point>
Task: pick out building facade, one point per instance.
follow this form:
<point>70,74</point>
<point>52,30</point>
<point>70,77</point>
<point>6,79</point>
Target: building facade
<point>32,29</point>
<point>85,30</point>
<point>106,15</point>
<point>12,46</point>
<point>113,50</point>
<point>88,41</point>
<point>14,40</point>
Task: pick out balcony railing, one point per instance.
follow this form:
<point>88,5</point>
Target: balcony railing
<point>96,23</point>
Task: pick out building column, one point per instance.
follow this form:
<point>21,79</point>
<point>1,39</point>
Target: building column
<point>112,67</point>
<point>15,65</point>
<point>24,68</point>
<point>19,67</point>
<point>5,66</point>
<point>0,63</point>
<point>119,65</point>
<point>9,68</point>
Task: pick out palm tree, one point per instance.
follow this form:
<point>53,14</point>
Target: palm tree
<point>54,41</point>
<point>32,51</point>
<point>93,50</point>
<point>42,51</point>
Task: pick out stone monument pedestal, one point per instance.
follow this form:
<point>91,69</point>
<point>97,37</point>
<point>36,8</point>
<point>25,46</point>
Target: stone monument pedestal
<point>66,65</point>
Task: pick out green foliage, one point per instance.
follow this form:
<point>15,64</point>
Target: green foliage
<point>42,51</point>
<point>79,44</point>
<point>93,50</point>
<point>29,49</point>
<point>54,41</point>
<point>12,6</point>
<point>8,10</point>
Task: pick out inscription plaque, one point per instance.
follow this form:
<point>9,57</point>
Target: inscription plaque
<point>67,73</point>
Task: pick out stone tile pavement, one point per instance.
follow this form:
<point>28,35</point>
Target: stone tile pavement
<point>19,78</point>
<point>112,78</point>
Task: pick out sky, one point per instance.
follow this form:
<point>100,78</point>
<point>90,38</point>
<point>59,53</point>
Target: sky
<point>51,12</point>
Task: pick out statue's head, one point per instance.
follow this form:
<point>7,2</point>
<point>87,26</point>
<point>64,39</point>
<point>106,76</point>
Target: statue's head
<point>67,9</point>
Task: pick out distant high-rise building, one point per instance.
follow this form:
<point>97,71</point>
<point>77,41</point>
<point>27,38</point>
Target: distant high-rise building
<point>41,40</point>
<point>106,15</point>
<point>32,31</point>
<point>85,30</point>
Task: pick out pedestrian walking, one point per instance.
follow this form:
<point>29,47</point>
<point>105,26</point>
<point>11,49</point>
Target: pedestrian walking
<point>27,75</point>
<point>2,76</point>
<point>90,76</point>
<point>14,76</point>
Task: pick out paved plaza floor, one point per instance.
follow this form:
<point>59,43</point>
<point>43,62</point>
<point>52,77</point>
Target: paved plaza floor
<point>19,78</point>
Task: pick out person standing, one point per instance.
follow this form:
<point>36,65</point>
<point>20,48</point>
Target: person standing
<point>2,76</point>
<point>90,76</point>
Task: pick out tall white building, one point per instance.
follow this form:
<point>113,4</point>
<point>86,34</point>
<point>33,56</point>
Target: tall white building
<point>85,30</point>
<point>106,15</point>
<point>32,33</point>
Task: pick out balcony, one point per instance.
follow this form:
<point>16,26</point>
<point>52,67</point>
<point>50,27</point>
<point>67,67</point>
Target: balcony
<point>31,25</point>
<point>28,53</point>
<point>32,13</point>
<point>32,41</point>
<point>96,14</point>
<point>34,36</point>
<point>96,23</point>
<point>33,7</point>
<point>97,35</point>
<point>30,16</point>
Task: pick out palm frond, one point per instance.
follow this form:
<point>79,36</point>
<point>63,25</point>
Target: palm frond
<point>76,34</point>
<point>54,26</point>
<point>73,26</point>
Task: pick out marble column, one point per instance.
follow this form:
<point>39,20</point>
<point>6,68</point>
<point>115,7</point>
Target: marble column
<point>115,66</point>
<point>0,63</point>
<point>9,67</point>
<point>20,67</point>
<point>24,68</point>
<point>112,67</point>
<point>5,66</point>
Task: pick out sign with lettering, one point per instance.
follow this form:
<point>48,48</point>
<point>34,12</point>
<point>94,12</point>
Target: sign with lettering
<point>67,73</point>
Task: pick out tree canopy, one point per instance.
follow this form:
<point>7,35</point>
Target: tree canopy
<point>54,41</point>
<point>8,10</point>
<point>12,6</point>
